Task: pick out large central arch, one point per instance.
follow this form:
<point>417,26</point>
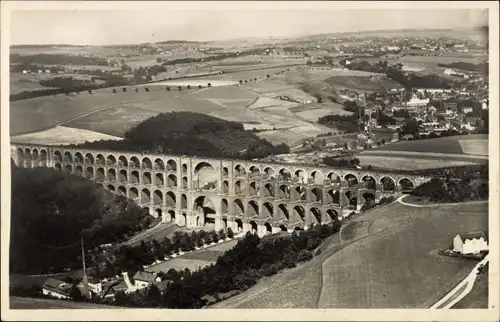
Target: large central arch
<point>206,210</point>
<point>206,176</point>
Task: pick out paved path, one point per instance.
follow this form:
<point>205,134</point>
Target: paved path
<point>459,292</point>
<point>400,200</point>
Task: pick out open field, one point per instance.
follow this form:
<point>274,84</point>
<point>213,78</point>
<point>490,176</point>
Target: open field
<point>451,145</point>
<point>374,256</point>
<point>294,93</point>
<point>31,303</point>
<point>225,92</point>
<point>408,163</point>
<point>267,102</point>
<point>43,112</point>
<point>62,135</point>
<point>194,82</point>
<point>195,260</point>
<point>269,86</point>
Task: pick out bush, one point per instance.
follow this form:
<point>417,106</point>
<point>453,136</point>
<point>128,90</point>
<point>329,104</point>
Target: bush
<point>230,233</point>
<point>304,255</point>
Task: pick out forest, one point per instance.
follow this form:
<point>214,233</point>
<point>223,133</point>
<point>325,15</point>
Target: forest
<point>453,190</point>
<point>236,270</point>
<point>57,59</point>
<point>52,210</point>
<point>191,134</point>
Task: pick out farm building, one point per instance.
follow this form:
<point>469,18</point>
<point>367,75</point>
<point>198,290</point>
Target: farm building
<point>144,279</point>
<point>470,243</point>
<point>57,288</point>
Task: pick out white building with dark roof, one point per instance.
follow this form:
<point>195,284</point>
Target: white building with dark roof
<point>57,288</point>
<point>470,243</point>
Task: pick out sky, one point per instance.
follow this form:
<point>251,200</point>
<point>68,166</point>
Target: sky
<point>94,25</point>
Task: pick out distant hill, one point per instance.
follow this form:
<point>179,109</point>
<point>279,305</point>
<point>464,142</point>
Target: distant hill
<point>192,134</point>
<point>176,42</point>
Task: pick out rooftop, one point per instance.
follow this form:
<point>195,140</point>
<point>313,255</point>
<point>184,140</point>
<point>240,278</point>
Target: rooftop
<point>149,277</point>
<point>473,235</point>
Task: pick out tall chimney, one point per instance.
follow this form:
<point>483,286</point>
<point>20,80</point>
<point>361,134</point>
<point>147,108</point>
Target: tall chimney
<point>85,280</point>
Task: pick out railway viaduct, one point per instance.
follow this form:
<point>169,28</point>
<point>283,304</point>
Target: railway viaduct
<point>243,195</point>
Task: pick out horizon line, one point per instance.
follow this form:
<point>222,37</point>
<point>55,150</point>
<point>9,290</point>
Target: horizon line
<point>250,37</point>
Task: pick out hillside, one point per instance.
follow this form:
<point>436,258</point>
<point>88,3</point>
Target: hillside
<point>386,258</point>
<point>476,144</point>
<point>377,83</point>
<point>193,134</point>
<point>52,209</point>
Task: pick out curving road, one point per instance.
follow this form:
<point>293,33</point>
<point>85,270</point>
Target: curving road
<point>461,290</point>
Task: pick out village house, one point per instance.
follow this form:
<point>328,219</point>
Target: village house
<point>470,243</point>
<point>57,288</point>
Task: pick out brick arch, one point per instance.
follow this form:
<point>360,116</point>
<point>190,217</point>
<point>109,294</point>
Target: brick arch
<point>334,176</point>
<point>282,212</point>
<point>315,215</point>
<point>171,165</point>
<point>68,157</point>
<point>255,169</point>
<point>171,199</point>
<point>122,191</point>
<point>300,173</point>
<point>145,196</point>
<point>122,161</point>
<point>158,197</point>
<point>270,171</point>
<point>147,163</point>
<point>111,160</point>
<point>100,159</point>
<point>134,193</point>
<point>284,171</point>
<point>406,184</point>
<point>238,207</point>
<point>111,174</point>
<point>239,170</point>
<point>78,157</point>
<point>298,213</point>
<point>318,176</point>
<point>134,162</point>
<point>350,175</point>
<point>369,181</point>
<point>267,210</point>
<point>89,158</point>
<point>252,209</point>
<point>159,165</point>
<point>388,183</point>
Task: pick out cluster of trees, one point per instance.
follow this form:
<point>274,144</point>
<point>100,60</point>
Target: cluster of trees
<point>452,190</point>
<point>51,210</point>
<point>378,67</point>
<point>238,269</point>
<point>142,75</point>
<point>341,162</point>
<point>192,134</point>
<point>70,85</point>
<point>347,123</point>
<point>112,261</point>
<point>413,80</point>
<point>66,83</point>
<point>57,59</point>
<point>481,67</point>
<point>220,56</point>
